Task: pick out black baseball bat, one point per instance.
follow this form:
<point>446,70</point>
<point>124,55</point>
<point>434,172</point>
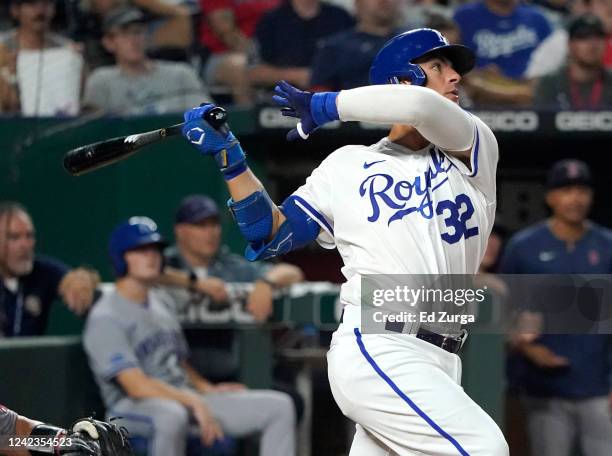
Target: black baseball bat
<point>103,153</point>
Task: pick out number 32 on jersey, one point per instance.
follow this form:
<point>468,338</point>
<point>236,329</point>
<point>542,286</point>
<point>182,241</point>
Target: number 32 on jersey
<point>456,215</point>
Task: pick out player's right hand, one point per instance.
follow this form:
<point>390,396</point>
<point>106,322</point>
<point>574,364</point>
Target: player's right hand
<point>202,135</point>
<point>210,430</point>
<point>295,103</point>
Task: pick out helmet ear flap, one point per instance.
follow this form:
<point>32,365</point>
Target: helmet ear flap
<point>415,75</point>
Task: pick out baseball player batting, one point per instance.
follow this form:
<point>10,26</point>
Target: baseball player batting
<point>420,201</point>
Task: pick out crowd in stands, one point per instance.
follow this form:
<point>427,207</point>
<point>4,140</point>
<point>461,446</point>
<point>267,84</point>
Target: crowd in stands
<point>61,57</point>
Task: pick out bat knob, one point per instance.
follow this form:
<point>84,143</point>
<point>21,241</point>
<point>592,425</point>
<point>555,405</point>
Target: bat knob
<point>217,117</point>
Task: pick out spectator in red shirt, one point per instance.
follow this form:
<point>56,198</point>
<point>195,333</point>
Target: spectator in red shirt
<point>603,9</point>
<point>226,29</point>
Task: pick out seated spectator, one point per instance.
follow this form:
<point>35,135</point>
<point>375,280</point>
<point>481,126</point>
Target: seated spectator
<point>139,357</point>
<point>41,73</point>
<point>343,60</point>
<point>31,283</point>
<point>137,84</point>
<point>552,53</point>
<point>584,82</point>
<point>225,32</point>
<point>274,57</point>
<point>503,33</point>
<point>198,251</point>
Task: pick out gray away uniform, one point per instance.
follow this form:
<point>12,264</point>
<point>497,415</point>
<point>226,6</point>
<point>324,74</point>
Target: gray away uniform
<point>121,334</point>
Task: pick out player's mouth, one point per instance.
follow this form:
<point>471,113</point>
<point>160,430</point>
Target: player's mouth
<point>453,95</point>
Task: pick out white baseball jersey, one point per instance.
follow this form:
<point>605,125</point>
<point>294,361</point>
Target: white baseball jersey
<point>392,210</point>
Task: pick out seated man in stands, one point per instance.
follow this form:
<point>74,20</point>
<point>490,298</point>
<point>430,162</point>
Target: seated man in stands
<point>137,85</point>
<point>583,82</point>
<point>225,33</point>
<point>29,284</point>
<point>139,357</point>
<point>274,58</point>
<point>343,60</point>
<point>198,251</point>
<point>41,72</point>
<point>504,34</point>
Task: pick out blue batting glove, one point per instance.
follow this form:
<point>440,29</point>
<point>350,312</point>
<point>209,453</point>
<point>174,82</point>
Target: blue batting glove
<point>202,135</point>
<point>313,109</point>
<point>218,142</point>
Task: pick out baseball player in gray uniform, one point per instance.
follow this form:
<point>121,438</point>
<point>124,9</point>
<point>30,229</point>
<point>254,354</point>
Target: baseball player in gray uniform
<point>138,354</point>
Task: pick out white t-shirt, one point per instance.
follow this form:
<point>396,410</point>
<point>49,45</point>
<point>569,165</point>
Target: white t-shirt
<point>391,210</point>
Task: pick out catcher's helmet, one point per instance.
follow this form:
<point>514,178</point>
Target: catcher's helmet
<point>133,233</point>
<point>396,58</point>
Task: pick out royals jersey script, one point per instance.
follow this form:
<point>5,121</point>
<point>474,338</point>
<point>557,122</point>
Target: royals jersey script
<point>392,210</point>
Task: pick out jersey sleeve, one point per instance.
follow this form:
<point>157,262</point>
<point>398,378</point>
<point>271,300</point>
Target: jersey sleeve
<point>483,160</point>
<point>8,419</point>
<point>108,348</point>
<point>315,198</point>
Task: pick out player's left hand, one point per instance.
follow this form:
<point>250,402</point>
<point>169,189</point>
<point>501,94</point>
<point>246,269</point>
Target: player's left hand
<point>77,289</point>
<point>295,103</point>
<point>202,135</point>
<point>96,438</point>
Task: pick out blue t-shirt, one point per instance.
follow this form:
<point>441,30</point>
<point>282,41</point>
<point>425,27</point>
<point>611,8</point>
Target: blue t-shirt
<point>25,311</point>
<point>343,60</point>
<point>536,250</point>
<point>284,39</point>
<point>506,41</point>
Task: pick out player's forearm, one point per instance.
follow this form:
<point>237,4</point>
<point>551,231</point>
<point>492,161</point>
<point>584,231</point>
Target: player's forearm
<point>199,382</point>
<point>23,428</point>
<point>243,186</point>
<point>438,119</point>
<point>148,387</point>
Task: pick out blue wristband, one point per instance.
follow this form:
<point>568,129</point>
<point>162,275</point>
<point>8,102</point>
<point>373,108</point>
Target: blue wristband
<point>231,161</point>
<point>323,107</point>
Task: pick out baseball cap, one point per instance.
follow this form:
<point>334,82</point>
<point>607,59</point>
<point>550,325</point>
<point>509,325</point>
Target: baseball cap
<point>585,26</point>
<point>120,17</point>
<point>569,172</point>
<point>195,208</point>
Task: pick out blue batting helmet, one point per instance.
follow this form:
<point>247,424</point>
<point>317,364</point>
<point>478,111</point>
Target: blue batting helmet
<point>396,58</point>
<point>133,233</point>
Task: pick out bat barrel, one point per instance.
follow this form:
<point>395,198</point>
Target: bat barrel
<point>93,156</point>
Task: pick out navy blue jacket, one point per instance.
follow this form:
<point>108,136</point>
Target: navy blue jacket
<point>535,250</point>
